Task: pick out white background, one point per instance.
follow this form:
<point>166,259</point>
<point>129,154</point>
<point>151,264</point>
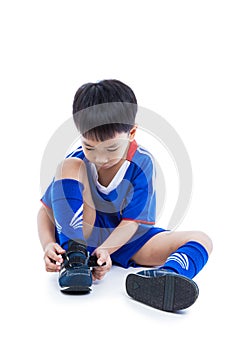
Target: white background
<point>177,56</point>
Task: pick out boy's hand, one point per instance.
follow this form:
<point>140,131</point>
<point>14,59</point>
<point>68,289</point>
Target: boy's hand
<point>52,257</point>
<point>103,257</point>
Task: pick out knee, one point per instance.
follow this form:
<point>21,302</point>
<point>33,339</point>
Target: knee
<point>71,168</point>
<point>202,238</point>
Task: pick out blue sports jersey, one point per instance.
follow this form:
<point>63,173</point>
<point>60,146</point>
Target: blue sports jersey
<point>129,196</point>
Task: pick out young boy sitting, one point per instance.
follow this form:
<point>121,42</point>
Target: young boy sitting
<point>100,209</point>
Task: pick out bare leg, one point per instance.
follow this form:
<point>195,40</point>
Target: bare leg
<point>156,251</point>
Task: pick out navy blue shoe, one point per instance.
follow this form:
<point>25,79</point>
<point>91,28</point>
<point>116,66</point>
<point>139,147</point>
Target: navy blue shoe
<point>75,274</point>
<point>161,289</point>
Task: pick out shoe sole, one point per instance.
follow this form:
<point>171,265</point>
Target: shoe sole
<point>168,293</point>
<point>75,289</point>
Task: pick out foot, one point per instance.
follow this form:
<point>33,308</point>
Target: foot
<point>75,274</point>
<point>161,289</point>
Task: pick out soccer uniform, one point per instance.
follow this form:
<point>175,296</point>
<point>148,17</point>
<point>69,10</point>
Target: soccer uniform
<point>130,196</point>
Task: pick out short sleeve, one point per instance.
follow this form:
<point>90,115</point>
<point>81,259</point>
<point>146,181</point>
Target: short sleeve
<point>140,202</point>
<point>46,198</point>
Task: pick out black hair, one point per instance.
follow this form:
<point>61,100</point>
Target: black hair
<point>102,109</point>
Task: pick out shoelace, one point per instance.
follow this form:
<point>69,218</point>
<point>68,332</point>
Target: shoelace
<point>91,260</point>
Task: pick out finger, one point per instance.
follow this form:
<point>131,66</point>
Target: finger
<point>50,270</point>
<point>100,261</point>
<point>102,258</point>
<point>59,249</point>
<point>105,267</point>
<point>99,274</point>
<point>49,265</point>
<point>94,273</point>
<point>95,277</point>
<point>57,269</point>
<point>52,255</point>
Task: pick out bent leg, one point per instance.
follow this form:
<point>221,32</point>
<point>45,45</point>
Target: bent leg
<point>72,205</point>
<point>170,287</point>
<point>184,252</point>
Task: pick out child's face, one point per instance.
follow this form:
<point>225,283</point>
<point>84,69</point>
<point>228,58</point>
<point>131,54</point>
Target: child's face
<point>105,154</point>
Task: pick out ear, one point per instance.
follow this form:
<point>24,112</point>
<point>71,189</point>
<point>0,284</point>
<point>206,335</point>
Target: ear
<point>132,133</point>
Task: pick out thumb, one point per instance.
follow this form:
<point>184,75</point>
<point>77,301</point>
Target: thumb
<point>59,249</point>
<point>102,257</point>
<point>100,261</point>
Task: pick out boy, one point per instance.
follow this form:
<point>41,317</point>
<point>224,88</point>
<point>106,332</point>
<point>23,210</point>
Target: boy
<point>100,209</point>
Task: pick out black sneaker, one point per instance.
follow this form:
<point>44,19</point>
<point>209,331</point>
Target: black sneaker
<point>161,289</point>
<point>75,274</point>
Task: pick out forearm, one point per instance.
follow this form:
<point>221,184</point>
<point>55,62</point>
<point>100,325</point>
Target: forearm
<point>120,236</point>
<point>46,228</point>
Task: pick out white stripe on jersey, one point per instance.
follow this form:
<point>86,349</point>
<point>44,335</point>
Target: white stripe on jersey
<point>58,226</point>
<point>79,149</point>
<point>144,151</point>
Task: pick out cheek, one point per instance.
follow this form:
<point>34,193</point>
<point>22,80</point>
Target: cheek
<point>88,155</point>
<point>122,153</point>
<point>117,156</point>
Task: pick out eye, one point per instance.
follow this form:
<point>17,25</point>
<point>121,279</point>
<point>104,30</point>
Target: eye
<point>113,150</point>
<point>89,149</point>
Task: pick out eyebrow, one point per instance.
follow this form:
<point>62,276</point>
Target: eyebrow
<point>86,144</point>
<point>111,146</point>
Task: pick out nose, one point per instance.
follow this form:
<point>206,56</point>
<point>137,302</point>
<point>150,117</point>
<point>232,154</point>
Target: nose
<point>101,160</point>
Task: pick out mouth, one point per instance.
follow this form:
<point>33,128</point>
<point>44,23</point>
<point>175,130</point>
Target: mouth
<point>104,166</point>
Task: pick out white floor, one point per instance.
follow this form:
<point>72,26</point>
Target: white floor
<point>39,314</point>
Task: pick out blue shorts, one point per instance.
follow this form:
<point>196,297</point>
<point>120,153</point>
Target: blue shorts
<point>123,256</point>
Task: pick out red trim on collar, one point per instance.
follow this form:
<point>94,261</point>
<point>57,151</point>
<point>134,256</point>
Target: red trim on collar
<point>132,149</point>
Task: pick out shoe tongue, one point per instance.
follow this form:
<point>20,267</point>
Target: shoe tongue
<point>77,253</point>
<point>77,258</point>
<point>76,247</point>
